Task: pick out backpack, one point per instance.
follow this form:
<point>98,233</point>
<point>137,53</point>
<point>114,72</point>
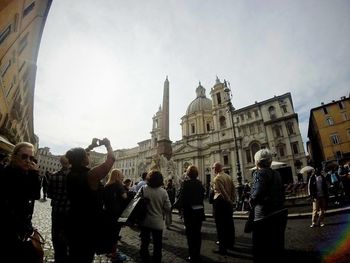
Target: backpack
<point>334,178</point>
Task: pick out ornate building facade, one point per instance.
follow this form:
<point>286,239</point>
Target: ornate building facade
<point>208,136</point>
<point>21,26</point>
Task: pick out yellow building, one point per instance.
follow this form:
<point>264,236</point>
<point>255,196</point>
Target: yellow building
<point>21,27</point>
<point>329,132</point>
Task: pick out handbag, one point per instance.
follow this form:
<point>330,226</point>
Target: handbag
<point>34,247</point>
<point>136,211</point>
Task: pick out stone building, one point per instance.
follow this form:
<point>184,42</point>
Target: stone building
<point>329,133</point>
<point>208,136</point>
<point>48,163</point>
<point>21,27</point>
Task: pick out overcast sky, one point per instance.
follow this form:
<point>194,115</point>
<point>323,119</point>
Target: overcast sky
<point>102,64</point>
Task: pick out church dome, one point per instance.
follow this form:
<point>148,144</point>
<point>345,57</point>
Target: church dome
<point>200,103</point>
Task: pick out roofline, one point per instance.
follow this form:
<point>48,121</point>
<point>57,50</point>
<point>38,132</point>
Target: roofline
<point>285,95</point>
<point>330,103</point>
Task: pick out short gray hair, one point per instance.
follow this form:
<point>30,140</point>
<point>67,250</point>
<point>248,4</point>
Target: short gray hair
<point>263,158</point>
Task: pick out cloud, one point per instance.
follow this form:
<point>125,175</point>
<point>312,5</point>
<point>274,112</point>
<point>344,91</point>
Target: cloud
<point>101,67</point>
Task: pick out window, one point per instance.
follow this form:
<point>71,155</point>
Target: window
<point>4,68</point>
<point>329,121</point>
<point>4,34</point>
<point>245,132</point>
<point>242,117</point>
<point>254,148</point>
<point>335,139</point>
<point>248,156</point>
<point>222,122</point>
<point>341,105</point>
<point>325,111</point>
<point>277,131</point>
<point>208,127</point>
<point>295,147</point>
<point>298,164</point>
<point>345,116</point>
<point>225,160</point>
<point>237,119</point>
<point>218,97</point>
<point>29,8</point>
<point>256,113</point>
<point>281,150</point>
<point>272,112</point>
<point>249,114</point>
<point>348,133</point>
<point>284,108</point>
<point>259,128</point>
<point>251,129</point>
<point>193,128</point>
<point>23,43</point>
<point>290,128</point>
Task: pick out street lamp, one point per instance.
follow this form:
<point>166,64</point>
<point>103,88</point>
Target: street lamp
<point>231,109</point>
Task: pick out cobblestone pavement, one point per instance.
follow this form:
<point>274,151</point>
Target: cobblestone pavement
<point>174,240</point>
<point>302,242</point>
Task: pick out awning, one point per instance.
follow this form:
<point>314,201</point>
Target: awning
<point>274,165</point>
<point>5,145</point>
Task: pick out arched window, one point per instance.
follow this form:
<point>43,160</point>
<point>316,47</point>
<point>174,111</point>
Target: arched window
<point>222,122</point>
<point>272,112</point>
<point>254,148</point>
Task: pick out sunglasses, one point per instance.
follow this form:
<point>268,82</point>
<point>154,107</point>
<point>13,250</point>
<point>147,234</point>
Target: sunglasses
<point>25,156</point>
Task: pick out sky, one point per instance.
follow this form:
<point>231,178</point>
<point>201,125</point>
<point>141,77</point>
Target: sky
<point>102,64</point>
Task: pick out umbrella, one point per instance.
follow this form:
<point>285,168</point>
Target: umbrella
<point>307,169</point>
<point>274,165</point>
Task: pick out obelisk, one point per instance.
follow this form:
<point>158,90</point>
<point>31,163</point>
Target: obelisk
<point>164,144</point>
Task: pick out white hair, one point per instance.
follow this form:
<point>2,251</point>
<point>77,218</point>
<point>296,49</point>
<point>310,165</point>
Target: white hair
<point>263,158</point>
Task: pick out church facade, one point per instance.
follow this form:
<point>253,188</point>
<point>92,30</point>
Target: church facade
<point>211,133</point>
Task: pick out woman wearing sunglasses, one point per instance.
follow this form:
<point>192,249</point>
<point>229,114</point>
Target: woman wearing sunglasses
<point>20,187</point>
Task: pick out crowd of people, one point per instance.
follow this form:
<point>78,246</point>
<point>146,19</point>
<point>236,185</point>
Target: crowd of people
<point>85,210</point>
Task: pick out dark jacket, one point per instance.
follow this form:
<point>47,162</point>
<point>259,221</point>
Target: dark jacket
<point>191,198</point>
<point>313,187</point>
<point>267,193</point>
<point>17,196</point>
<point>17,199</point>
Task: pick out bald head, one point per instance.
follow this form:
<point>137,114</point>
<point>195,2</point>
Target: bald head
<point>217,167</point>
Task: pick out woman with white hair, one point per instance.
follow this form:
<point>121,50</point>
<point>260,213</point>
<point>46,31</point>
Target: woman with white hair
<point>270,216</point>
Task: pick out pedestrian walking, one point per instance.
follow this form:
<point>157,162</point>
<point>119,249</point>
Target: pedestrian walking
<point>318,191</point>
<point>85,195</point>
<point>270,215</point>
<point>57,192</point>
<point>223,202</point>
<point>344,174</point>
<point>190,201</point>
<point>20,188</point>
<point>44,184</point>
<point>170,188</point>
<point>154,222</point>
